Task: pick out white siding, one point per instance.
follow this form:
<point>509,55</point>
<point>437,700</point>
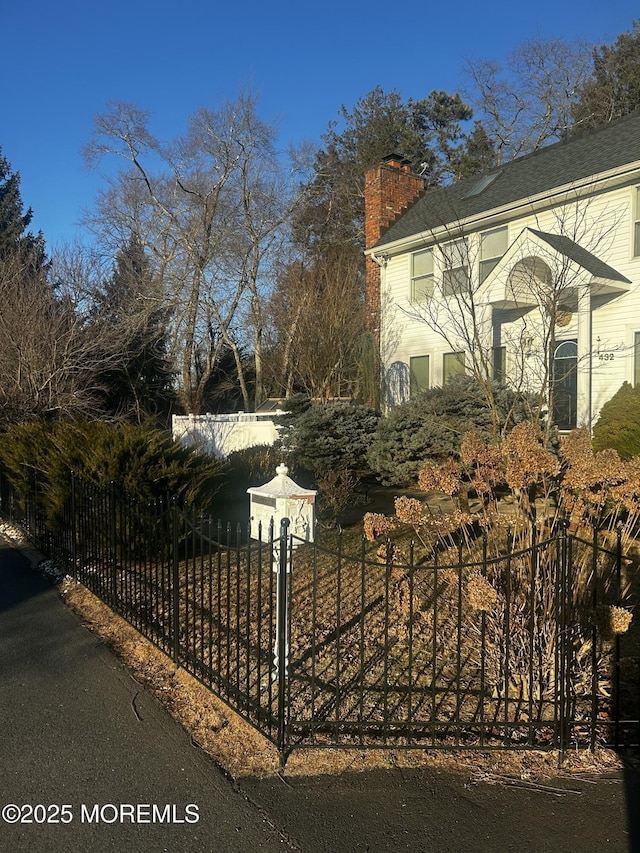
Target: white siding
<point>601,225</point>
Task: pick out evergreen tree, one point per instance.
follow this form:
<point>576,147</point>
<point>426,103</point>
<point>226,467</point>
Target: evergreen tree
<point>329,437</point>
<point>613,89</point>
<point>477,155</point>
<point>427,132</point>
<point>14,221</point>
<point>324,283</point>
<point>140,386</point>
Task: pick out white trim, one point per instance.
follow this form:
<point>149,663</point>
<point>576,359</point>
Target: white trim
<point>635,221</point>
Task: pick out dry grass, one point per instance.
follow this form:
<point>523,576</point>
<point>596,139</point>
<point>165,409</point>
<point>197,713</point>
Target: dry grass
<point>242,751</point>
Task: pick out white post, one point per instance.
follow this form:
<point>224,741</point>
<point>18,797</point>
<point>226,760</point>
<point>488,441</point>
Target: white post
<point>585,359</point>
<point>281,566</point>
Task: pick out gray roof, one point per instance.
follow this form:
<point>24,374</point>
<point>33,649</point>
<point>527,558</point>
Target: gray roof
<point>610,147</point>
<point>581,256</point>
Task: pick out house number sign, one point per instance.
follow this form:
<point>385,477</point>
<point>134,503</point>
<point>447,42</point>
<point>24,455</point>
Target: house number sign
<point>605,356</point>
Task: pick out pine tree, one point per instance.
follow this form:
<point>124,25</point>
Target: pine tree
<point>14,221</point>
<point>427,132</point>
<point>478,155</point>
<point>613,90</point>
<point>139,387</point>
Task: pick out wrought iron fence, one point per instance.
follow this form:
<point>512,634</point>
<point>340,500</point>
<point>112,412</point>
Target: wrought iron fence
<point>514,650</point>
<point>524,643</point>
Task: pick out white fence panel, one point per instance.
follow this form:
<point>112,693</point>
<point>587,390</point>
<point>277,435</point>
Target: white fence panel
<point>221,435</point>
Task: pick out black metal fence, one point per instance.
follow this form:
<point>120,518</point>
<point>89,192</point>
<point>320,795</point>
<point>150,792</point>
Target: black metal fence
<point>521,644</point>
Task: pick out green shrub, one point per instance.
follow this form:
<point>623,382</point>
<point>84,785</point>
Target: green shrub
<point>144,462</point>
<point>331,437</point>
<point>295,406</point>
<point>430,427</point>
<point>618,426</point>
<point>252,466</point>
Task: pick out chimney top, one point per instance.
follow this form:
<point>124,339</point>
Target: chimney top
<point>396,160</point>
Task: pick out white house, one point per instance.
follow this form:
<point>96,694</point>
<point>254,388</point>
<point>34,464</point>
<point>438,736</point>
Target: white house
<point>530,272</point>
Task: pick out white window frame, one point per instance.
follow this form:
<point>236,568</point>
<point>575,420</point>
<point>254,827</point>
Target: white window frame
<point>422,283</point>
<point>455,268</point>
<point>488,259</point>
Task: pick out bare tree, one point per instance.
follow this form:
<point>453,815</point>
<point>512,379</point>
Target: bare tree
<point>267,203</point>
<point>528,101</point>
<point>317,325</point>
<point>51,359</point>
<point>209,207</point>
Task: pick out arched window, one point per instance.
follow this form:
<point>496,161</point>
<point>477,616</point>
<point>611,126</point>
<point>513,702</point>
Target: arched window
<point>565,384</point>
<point>566,350</point>
<point>529,280</point>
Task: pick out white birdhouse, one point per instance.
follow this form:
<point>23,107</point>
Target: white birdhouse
<point>282,498</point>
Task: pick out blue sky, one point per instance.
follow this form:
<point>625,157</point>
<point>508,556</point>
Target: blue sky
<point>64,60</point>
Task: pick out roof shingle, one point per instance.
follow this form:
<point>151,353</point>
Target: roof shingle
<point>609,147</point>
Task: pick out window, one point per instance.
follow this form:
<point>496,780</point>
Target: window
<point>636,224</point>
<point>455,276</point>
<point>565,385</point>
<point>452,365</point>
<point>493,245</point>
<point>499,364</point>
<point>636,359</point>
<point>418,374</point>
<point>422,276</point>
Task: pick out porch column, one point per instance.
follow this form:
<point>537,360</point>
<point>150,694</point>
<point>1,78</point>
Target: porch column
<point>585,358</point>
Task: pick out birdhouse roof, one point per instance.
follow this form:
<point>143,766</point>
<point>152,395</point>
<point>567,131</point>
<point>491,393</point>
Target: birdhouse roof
<point>282,486</point>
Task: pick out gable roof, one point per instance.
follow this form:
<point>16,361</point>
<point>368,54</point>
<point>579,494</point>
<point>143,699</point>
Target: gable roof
<point>602,150</point>
<point>581,256</point>
<point>521,271</point>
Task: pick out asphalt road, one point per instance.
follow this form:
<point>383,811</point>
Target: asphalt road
<point>432,812</point>
<point>93,763</point>
<point>78,731</point>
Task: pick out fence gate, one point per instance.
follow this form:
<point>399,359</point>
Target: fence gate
<point>515,650</point>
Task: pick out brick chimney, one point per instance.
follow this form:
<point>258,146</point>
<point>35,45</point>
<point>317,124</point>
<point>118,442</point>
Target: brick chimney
<point>389,189</point>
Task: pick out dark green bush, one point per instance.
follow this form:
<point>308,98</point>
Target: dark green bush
<point>330,437</point>
<point>252,466</point>
<point>618,426</point>
<point>431,425</point>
